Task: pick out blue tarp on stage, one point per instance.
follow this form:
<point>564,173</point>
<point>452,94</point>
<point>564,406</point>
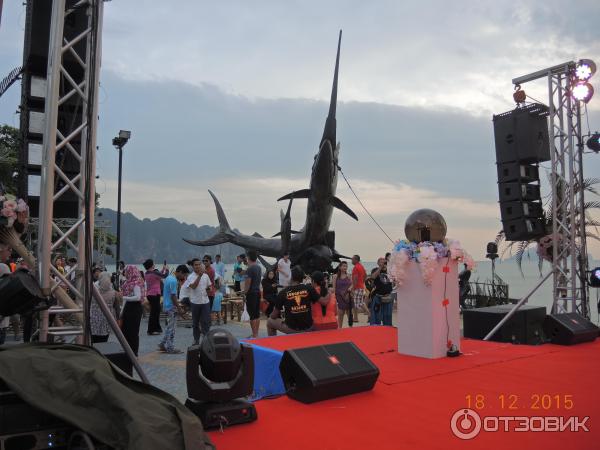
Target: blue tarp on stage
<point>267,379</point>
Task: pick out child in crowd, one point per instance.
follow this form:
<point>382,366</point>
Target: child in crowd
<point>216,307</point>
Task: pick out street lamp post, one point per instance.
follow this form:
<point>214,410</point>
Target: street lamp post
<point>119,142</point>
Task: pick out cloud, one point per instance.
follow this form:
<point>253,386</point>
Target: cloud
<point>218,93</point>
<point>426,54</point>
<point>251,206</point>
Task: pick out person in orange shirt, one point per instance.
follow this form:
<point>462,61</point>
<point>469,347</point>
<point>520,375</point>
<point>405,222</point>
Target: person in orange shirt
<point>324,312</point>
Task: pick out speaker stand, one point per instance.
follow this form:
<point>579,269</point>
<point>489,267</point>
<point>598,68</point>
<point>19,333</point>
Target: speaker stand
<point>217,415</point>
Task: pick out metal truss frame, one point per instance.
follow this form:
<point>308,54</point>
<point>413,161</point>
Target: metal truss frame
<point>101,234</point>
<point>570,260</point>
<point>61,86</point>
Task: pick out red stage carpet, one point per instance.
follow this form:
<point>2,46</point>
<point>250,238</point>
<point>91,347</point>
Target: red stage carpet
<point>414,399</point>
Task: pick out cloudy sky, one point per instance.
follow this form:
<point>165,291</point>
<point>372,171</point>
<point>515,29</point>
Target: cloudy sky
<point>232,96</point>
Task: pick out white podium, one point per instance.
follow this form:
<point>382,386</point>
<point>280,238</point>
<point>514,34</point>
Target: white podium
<point>422,326</point>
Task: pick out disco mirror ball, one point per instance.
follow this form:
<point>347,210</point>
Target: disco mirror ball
<point>425,225</point>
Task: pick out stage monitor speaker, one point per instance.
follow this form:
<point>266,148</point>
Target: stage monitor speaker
<point>569,329</point>
<point>116,355</point>
<point>522,135</point>
<point>323,372</point>
<point>524,327</point>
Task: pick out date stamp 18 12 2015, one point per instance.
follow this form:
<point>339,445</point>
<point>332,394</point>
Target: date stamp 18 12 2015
<point>533,402</point>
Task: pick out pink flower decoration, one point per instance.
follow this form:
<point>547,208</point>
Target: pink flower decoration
<point>22,206</point>
<point>8,212</point>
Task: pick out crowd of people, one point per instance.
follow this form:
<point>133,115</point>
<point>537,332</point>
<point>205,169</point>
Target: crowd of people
<point>291,300</point>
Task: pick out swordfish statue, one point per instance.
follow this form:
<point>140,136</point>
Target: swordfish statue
<point>312,247</point>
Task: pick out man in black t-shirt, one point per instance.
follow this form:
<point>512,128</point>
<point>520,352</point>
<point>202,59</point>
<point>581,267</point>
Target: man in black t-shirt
<point>252,289</point>
<point>296,300</point>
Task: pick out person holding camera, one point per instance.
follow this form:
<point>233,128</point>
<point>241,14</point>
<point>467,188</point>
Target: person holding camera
<point>380,306</point>
<point>198,286</point>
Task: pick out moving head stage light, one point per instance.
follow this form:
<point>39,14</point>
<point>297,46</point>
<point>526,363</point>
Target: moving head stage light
<point>20,294</point>
<point>594,280</point>
<point>218,373</point>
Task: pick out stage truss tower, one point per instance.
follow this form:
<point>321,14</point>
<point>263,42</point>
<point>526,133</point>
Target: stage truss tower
<point>65,81</point>
<point>61,85</point>
<point>570,260</point>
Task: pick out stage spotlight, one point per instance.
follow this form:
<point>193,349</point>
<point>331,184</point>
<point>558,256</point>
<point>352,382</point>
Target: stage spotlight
<point>594,280</point>
<point>593,142</point>
<point>585,69</point>
<point>582,91</point>
<point>492,250</point>
<point>218,373</point>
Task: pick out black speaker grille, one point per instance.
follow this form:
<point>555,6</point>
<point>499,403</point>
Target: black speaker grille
<point>319,364</point>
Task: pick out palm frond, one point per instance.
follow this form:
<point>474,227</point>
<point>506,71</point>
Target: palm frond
<point>508,249</point>
<point>499,237</point>
<point>592,235</point>
<point>590,205</point>
<point>588,184</point>
<point>522,246</point>
<point>592,223</point>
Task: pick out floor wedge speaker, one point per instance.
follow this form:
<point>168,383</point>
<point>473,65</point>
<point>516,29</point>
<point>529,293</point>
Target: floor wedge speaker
<point>569,329</point>
<point>524,327</point>
<point>319,373</point>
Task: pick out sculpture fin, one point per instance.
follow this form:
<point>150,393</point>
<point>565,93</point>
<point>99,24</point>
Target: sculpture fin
<point>265,263</point>
<point>225,233</point>
<point>330,123</point>
<point>223,224</point>
<point>302,193</point>
<point>337,203</point>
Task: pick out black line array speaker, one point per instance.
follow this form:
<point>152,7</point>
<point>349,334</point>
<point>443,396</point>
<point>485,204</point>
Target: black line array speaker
<point>33,101</point>
<point>569,329</point>
<point>524,327</point>
<point>521,138</point>
<point>522,135</point>
<point>323,372</point>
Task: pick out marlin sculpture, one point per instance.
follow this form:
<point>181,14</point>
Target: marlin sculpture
<point>313,247</point>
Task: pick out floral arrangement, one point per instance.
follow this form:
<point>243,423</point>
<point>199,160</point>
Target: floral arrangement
<point>13,213</point>
<point>427,254</point>
<point>14,217</point>
<point>545,247</point>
